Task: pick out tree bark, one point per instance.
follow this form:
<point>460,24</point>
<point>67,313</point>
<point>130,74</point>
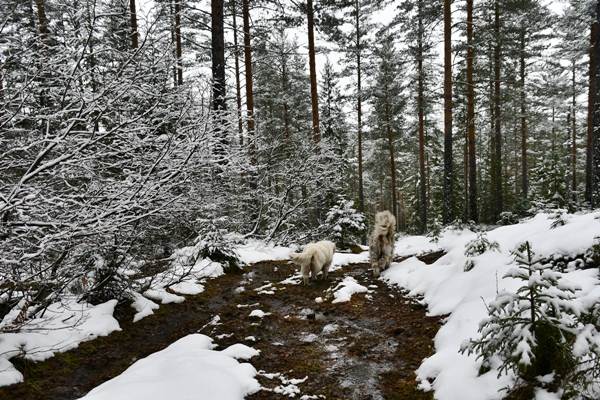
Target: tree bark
<point>589,160</point>
<point>361,196</point>
<point>43,22</point>
<point>473,214</point>
<point>134,32</point>
<point>596,138</point>
<point>249,91</point>
<point>448,206</point>
<point>497,168</point>
<point>218,56</point>
<point>178,52</point>
<point>574,138</point>
<point>313,76</point>
<point>422,181</point>
<point>524,173</point>
<point>238,89</point>
<point>392,160</point>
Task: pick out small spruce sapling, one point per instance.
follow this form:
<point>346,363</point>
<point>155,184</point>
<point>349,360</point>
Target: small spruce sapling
<point>532,330</point>
<point>477,247</point>
<point>346,223</point>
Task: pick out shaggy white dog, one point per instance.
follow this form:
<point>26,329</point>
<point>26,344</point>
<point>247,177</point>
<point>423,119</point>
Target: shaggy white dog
<point>315,257</point>
<point>381,242</point>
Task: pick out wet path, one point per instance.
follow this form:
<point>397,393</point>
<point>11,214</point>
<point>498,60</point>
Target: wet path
<point>366,348</point>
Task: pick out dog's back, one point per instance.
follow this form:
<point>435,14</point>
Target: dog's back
<point>381,242</point>
<point>385,226</point>
<point>315,257</point>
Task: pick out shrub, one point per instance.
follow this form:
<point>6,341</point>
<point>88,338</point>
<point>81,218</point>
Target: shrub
<point>533,330</point>
<point>217,245</point>
<point>346,223</point>
<point>477,247</point>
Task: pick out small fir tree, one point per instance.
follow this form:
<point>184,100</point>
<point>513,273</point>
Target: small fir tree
<point>532,330</point>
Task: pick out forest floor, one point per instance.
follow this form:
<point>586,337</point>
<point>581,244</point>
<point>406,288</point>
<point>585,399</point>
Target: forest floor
<point>366,348</point>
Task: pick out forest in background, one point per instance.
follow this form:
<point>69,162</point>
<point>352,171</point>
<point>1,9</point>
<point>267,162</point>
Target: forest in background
<point>130,129</point>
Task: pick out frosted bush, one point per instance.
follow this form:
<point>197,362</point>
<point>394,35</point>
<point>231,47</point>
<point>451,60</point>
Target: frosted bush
<point>539,333</point>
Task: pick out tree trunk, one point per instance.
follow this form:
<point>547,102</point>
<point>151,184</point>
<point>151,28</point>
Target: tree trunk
<point>218,75</point>
<point>497,168</point>
<point>574,139</point>
<point>313,76</point>
<point>178,52</point>
<point>596,139</point>
<point>448,206</point>
<point>524,177</point>
<point>473,215</point>
<point>361,197</point>
<point>43,22</point>
<point>218,56</point>
<point>238,89</point>
<point>422,181</point>
<point>249,92</point>
<point>1,94</point>
<point>466,175</point>
<point>134,32</point>
<point>392,160</point>
<point>589,169</point>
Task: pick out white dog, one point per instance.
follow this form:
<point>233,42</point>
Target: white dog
<point>315,257</point>
<point>381,242</point>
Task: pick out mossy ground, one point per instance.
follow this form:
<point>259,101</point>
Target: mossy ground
<point>365,348</point>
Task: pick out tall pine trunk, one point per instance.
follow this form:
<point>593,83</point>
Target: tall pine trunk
<point>392,160</point>
<point>497,168</point>
<point>178,48</point>
<point>589,159</point>
<point>574,138</point>
<point>218,75</point>
<point>43,22</point>
<point>249,91</point>
<point>134,31</point>
<point>422,181</point>
<point>313,76</point>
<point>448,206</point>
<point>473,214</point>
<point>218,56</point>
<point>596,123</point>
<point>524,170</point>
<point>361,197</point>
<point>238,89</point>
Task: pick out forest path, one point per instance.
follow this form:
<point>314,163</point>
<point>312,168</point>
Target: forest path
<point>366,348</point>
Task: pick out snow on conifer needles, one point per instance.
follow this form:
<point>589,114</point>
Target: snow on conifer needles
<point>533,332</point>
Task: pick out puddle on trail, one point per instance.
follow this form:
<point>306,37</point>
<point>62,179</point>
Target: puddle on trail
<point>343,350</point>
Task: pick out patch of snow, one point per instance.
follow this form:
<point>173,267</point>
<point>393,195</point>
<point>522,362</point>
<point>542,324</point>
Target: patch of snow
<point>183,370</point>
<point>60,328</point>
<point>345,289</point>
<point>330,328</point>
<point>143,306</point>
<point>310,338</point>
<point>447,289</point>
<point>190,288</point>
<point>258,313</point>
<point>163,296</point>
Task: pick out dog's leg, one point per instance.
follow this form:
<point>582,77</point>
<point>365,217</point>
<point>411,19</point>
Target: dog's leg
<point>326,271</point>
<point>384,262</point>
<point>375,270</point>
<point>305,270</point>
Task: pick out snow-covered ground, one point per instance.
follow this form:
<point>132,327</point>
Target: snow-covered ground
<point>447,287</point>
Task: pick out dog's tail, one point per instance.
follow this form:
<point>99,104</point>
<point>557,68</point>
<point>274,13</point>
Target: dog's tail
<point>301,258</point>
<point>386,221</point>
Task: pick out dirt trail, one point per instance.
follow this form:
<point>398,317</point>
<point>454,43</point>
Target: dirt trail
<point>366,348</point>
